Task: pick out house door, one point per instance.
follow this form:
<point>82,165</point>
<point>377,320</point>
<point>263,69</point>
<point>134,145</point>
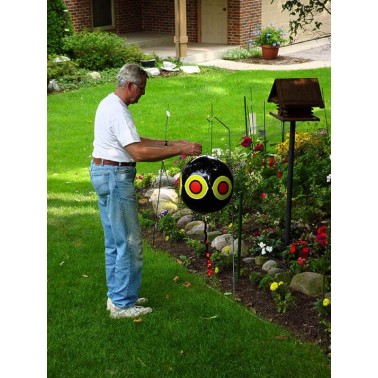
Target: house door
<point>214,21</point>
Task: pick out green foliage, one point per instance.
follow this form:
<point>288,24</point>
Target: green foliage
<point>241,53</point>
<point>266,281</point>
<point>304,14</point>
<point>269,35</point>
<point>99,50</point>
<point>282,296</point>
<point>65,70</point>
<point>197,247</point>
<point>168,225</point>
<point>256,277</point>
<point>59,25</point>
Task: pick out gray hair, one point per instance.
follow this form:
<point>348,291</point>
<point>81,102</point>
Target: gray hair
<point>131,73</point>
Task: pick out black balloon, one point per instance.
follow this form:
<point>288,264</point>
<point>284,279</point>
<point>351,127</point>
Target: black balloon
<point>206,184</point>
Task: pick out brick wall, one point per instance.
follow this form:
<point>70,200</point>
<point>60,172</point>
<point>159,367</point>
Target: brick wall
<point>243,16</point>
<point>159,16</point>
<point>80,11</point>
<point>128,16</point>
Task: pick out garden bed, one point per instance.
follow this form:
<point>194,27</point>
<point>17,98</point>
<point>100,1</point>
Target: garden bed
<point>301,319</point>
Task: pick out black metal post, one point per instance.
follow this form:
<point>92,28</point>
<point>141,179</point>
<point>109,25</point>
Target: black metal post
<point>290,182</point>
<point>240,219</point>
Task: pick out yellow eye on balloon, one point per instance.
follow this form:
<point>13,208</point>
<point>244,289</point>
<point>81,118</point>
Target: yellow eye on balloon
<point>222,187</point>
<point>196,187</point>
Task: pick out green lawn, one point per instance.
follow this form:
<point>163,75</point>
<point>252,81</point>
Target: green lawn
<point>194,331</point>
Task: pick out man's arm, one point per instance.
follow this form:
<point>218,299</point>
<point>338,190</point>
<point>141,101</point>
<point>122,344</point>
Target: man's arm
<point>155,150</point>
<point>158,143</point>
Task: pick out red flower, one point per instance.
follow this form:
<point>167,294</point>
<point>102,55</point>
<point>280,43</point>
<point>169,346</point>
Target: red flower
<point>293,248</point>
<point>264,195</point>
<point>271,162</point>
<point>246,142</point>
<point>305,251</point>
<point>322,230</point>
<point>321,239</point>
<point>258,147</point>
<point>279,174</point>
<point>301,261</point>
<point>256,234</point>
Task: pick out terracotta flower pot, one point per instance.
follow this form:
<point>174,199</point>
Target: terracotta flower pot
<point>269,52</point>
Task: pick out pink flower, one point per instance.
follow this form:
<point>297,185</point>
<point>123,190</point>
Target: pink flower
<point>301,261</point>
<point>246,142</point>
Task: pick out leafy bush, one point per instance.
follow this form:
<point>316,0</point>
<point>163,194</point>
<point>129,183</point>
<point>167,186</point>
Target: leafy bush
<point>59,25</point>
<point>68,70</point>
<point>241,53</point>
<point>100,50</point>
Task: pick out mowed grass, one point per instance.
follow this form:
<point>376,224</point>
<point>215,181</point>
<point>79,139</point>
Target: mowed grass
<point>194,331</point>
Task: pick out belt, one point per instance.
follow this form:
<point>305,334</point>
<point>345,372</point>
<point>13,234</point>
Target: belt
<point>99,161</point>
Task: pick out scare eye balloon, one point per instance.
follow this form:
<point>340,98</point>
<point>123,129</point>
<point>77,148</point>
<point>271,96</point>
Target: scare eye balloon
<point>206,184</point>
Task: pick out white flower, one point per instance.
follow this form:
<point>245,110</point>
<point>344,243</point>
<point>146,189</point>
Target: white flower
<point>329,178</point>
<point>262,246</point>
<point>168,114</point>
<point>269,249</point>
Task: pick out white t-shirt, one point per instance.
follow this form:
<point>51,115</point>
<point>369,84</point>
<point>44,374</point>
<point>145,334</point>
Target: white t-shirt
<point>114,128</point>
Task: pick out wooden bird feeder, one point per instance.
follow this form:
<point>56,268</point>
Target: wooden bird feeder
<point>295,99</point>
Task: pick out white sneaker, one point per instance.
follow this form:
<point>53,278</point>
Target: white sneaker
<point>140,301</point>
<point>132,312</point>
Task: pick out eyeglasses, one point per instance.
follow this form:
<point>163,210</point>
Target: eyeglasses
<point>143,90</point>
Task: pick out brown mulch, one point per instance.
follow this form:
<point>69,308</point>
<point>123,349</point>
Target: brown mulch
<point>301,319</point>
<point>281,60</point>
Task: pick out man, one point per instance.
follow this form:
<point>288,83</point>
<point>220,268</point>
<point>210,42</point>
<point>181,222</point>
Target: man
<point>117,148</point>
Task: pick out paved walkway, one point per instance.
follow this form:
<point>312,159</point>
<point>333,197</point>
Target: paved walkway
<point>319,51</point>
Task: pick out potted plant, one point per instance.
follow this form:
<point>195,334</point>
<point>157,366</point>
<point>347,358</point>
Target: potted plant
<point>270,38</point>
<point>148,61</point>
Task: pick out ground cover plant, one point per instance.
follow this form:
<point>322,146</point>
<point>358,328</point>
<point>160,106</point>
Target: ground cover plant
<point>194,330</point>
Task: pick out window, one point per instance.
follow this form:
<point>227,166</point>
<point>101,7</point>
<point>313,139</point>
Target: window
<point>102,14</point>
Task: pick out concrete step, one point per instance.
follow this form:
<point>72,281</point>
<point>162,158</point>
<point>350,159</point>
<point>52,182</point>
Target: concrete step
<point>198,57</point>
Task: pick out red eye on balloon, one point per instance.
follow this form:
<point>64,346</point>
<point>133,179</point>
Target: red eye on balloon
<point>222,187</point>
<point>196,187</point>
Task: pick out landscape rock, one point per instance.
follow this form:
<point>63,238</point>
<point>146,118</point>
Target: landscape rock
<point>180,213</point>
<point>260,260</point>
<point>164,180</point>
<point>95,75</point>
<point>308,283</point>
<point>269,265</point>
<point>184,220</point>
<point>274,271</point>
<point>285,277</point>
<point>221,241</point>
<point>193,224</point>
<point>165,194</point>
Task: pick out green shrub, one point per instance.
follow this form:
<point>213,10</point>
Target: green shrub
<point>100,50</point>
<point>241,53</point>
<point>59,25</point>
<point>66,69</point>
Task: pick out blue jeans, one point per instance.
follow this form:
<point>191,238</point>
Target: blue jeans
<point>123,242</point>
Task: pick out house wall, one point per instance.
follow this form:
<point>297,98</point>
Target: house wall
<point>272,13</point>
<point>80,11</point>
<point>159,16</point>
<point>243,16</point>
